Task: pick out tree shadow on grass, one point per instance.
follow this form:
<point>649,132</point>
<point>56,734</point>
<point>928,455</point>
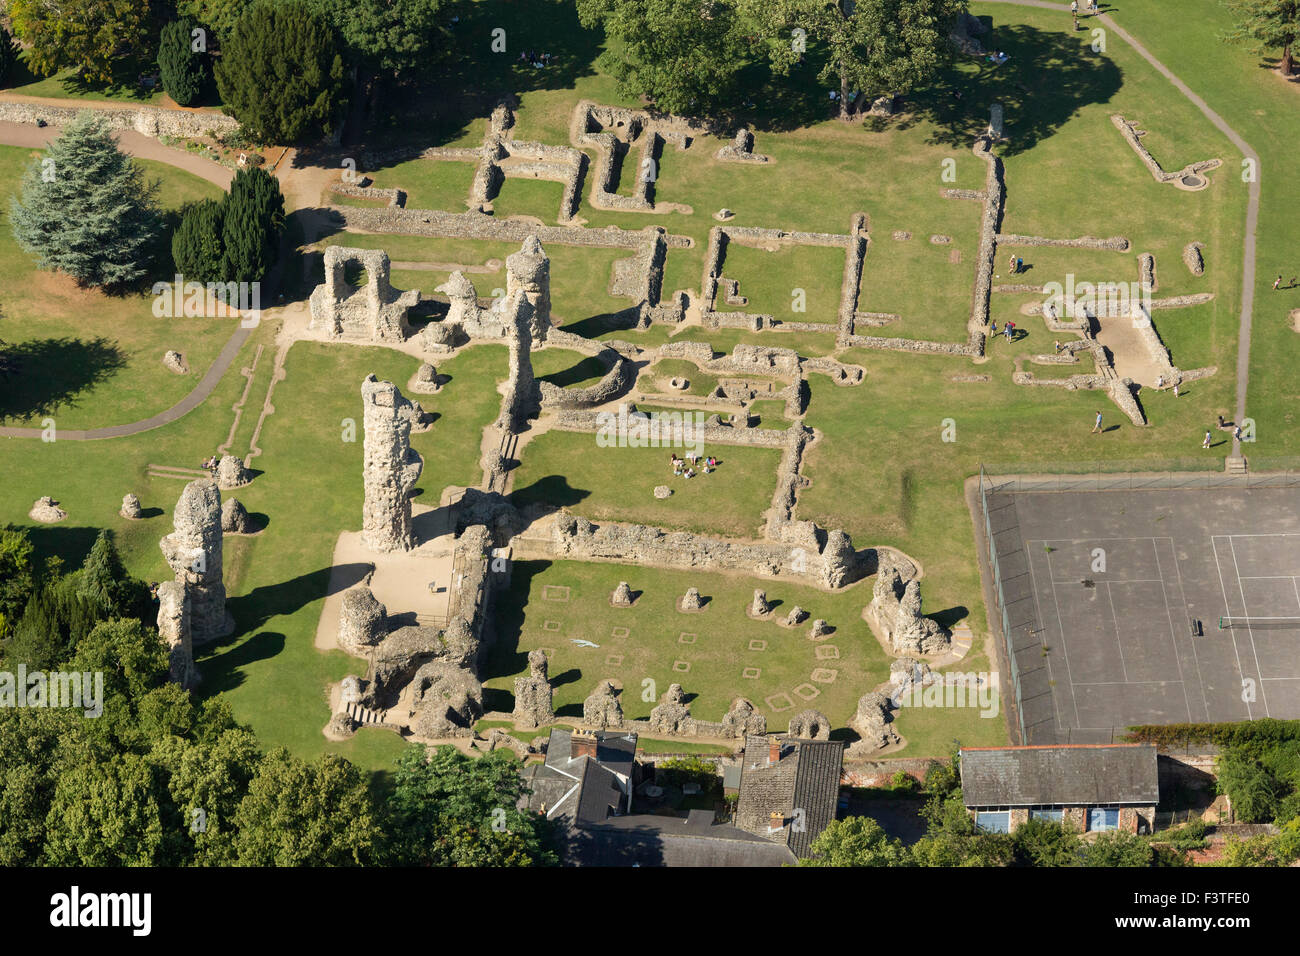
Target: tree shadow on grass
<point>1048,79</point>
<point>439,108</point>
<point>222,672</point>
<point>67,542</point>
<point>53,373</point>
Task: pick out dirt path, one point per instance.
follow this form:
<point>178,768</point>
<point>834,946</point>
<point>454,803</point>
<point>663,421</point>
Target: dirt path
<point>1252,207</point>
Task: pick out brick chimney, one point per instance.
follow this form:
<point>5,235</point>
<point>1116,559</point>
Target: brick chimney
<point>773,752</point>
<point>775,823</point>
<point>582,744</point>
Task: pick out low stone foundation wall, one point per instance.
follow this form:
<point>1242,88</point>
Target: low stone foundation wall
<point>150,120</point>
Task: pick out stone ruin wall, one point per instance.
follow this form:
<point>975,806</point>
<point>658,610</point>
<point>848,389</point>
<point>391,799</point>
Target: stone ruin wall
<point>825,565</point>
<point>151,121</point>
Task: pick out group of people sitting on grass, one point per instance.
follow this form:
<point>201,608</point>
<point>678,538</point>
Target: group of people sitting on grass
<point>685,467</point>
<point>210,464</point>
<point>537,61</point>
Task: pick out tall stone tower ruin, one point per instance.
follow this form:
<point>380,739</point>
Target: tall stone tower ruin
<point>529,271</point>
<point>391,468</point>
<point>193,550</point>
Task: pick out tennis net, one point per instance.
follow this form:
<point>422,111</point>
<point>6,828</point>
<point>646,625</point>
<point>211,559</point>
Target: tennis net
<point>1259,623</point>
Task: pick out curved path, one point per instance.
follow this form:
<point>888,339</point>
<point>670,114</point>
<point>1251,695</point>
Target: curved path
<point>1252,206</point>
<point>144,147</point>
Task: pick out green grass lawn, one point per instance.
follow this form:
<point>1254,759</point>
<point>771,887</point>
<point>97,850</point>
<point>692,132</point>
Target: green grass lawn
<point>617,484</point>
<point>881,471</point>
<point>764,279</point>
<point>429,184</point>
<point>716,654</point>
<point>91,359</point>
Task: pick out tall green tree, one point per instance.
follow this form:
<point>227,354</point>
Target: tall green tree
<point>1045,843</point>
<point>1254,791</point>
<point>281,73</point>
<point>17,576</point>
<point>220,15</point>
<point>252,224</point>
<point>86,208</point>
<point>1117,848</point>
<point>207,781</point>
<point>197,249</point>
<point>875,46</point>
<point>8,56</point>
<point>185,71</point>
<point>91,36</point>
<point>392,36</point>
<point>857,841</point>
<point>449,809</point>
<point>107,813</point>
<point>1266,25</point>
<point>305,814</point>
<point>686,55</point>
<point>104,580</point>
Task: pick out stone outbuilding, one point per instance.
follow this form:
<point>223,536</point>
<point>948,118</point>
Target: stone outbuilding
<point>1087,786</point>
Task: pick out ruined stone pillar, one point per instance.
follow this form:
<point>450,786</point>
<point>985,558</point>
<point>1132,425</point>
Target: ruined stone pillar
<point>529,271</point>
<point>533,707</point>
<point>522,400</point>
<point>174,629</point>
<point>391,468</point>
<point>193,550</point>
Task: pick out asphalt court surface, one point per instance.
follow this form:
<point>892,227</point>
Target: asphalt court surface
<point>1114,600</point>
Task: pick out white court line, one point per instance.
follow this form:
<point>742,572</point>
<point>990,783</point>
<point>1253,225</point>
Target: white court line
<point>1109,580</point>
<point>1196,658</point>
<point>1227,609</point>
<point>1259,671</point>
<point>1065,650</point>
<point>1119,642</point>
<point>1132,683</point>
<point>1038,616</point>
<point>1173,637</point>
<point>1296,587</point>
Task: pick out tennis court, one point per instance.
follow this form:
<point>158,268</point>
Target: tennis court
<point>1153,606</point>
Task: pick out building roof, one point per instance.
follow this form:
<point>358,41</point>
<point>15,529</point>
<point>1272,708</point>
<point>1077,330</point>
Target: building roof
<point>1076,775</point>
<point>581,789</point>
<point>803,786</point>
<point>649,840</point>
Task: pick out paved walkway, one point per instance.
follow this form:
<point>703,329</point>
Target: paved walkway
<point>1252,206</point>
<point>145,147</point>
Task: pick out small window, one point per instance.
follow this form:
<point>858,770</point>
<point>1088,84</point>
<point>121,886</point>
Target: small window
<point>993,821</point>
<point>1103,818</point>
<point>1051,816</point>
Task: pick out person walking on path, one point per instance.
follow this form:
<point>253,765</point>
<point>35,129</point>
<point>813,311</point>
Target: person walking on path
<point>1096,426</point>
<point>1074,12</point>
<point>1206,443</point>
<point>1092,7</point>
<point>1236,433</point>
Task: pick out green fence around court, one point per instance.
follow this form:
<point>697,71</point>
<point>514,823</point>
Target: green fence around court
<point>1002,606</point>
<point>1135,475</point>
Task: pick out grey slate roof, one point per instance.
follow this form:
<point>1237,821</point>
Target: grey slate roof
<point>579,788</point>
<point>648,840</point>
<point>1060,776</point>
<point>805,779</point>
